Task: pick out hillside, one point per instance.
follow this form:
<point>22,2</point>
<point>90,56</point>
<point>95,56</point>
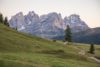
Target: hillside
<point>89,36</point>
<point>21,50</point>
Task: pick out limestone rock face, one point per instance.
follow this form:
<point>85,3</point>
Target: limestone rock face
<point>51,25</point>
<point>47,26</point>
<point>75,22</point>
<point>17,21</point>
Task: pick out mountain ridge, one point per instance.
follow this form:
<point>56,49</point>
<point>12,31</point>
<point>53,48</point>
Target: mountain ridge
<point>48,25</point>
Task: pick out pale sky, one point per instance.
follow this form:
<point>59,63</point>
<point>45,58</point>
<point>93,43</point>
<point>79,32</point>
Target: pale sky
<point>89,10</point>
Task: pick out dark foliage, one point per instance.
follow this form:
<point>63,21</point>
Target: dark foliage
<point>92,49</point>
<point>68,34</point>
<point>1,18</point>
<point>6,21</point>
<point>3,21</point>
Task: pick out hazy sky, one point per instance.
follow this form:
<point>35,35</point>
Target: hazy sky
<point>89,10</point>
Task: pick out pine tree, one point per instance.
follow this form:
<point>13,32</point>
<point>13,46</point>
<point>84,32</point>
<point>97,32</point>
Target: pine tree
<point>1,18</point>
<point>6,21</point>
<point>92,49</point>
<point>68,34</point>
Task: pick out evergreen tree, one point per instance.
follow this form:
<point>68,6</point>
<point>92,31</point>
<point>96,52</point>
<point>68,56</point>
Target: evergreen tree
<point>92,49</point>
<point>6,21</point>
<point>1,18</point>
<point>68,34</point>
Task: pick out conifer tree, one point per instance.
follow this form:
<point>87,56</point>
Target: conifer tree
<point>1,18</point>
<point>6,21</point>
<point>68,34</point>
<point>92,49</point>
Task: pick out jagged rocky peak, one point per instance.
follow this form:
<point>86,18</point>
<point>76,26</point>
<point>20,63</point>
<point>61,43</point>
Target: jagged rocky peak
<point>51,24</point>
<point>31,17</point>
<point>17,21</point>
<point>72,19</point>
<point>53,15</point>
<point>19,14</point>
<point>56,19</point>
<point>75,22</point>
<point>32,14</point>
<point>74,16</point>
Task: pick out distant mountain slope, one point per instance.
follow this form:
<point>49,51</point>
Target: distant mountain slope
<point>89,36</point>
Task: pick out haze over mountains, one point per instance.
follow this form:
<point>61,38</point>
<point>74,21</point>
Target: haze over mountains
<point>50,25</point>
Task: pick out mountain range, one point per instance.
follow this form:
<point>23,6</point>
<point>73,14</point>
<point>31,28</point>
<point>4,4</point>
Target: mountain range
<point>50,26</point>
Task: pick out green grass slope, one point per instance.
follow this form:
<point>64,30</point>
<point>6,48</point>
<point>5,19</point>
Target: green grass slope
<point>21,50</point>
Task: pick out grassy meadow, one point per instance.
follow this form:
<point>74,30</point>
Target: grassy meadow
<point>21,50</point>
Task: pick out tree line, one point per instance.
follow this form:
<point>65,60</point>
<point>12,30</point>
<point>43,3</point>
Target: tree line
<point>4,20</point>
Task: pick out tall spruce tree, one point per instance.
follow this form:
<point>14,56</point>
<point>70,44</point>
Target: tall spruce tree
<point>68,34</point>
<point>6,21</point>
<point>1,18</point>
<point>92,49</point>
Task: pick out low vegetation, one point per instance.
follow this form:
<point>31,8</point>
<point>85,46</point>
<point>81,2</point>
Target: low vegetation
<point>21,50</point>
